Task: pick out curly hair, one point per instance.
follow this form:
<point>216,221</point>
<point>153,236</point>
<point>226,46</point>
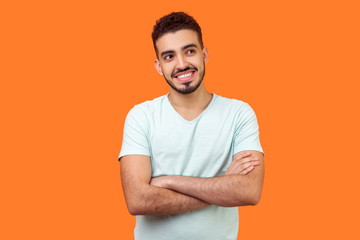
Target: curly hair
<point>174,22</point>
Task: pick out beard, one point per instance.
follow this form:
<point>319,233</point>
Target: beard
<point>187,89</point>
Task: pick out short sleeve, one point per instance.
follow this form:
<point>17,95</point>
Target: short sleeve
<point>246,136</point>
<point>136,134</point>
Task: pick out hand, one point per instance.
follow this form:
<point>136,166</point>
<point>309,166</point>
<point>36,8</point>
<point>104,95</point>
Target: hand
<point>242,164</point>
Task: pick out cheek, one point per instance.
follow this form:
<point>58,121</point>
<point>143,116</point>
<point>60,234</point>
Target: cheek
<point>167,70</point>
<point>198,62</point>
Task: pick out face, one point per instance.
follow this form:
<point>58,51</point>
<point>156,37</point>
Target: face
<point>181,60</point>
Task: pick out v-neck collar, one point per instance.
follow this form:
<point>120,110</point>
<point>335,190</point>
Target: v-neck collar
<point>198,117</point>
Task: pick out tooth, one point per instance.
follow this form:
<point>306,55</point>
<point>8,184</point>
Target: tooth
<point>185,75</point>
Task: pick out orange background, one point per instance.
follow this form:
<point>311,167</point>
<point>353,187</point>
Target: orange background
<point>71,70</point>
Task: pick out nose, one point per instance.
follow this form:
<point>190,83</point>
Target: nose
<point>181,63</point>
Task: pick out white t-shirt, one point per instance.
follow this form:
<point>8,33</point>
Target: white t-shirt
<point>203,147</point>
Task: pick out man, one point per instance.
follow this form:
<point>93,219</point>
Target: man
<point>189,158</point>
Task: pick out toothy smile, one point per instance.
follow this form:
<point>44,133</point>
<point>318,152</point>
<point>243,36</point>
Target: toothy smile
<point>184,75</point>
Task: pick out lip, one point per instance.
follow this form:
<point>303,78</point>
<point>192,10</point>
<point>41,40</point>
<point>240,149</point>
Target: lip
<point>186,79</point>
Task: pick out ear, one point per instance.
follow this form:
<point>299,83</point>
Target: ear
<point>158,67</point>
<point>205,54</point>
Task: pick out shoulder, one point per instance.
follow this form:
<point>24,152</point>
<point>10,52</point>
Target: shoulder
<point>231,104</point>
<point>148,107</point>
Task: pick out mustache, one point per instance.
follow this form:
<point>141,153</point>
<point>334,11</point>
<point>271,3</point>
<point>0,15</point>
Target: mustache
<point>184,70</point>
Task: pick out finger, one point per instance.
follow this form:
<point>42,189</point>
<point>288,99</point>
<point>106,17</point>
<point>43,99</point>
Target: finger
<point>247,165</point>
<point>247,170</point>
<point>235,168</point>
<point>246,159</point>
<point>243,154</point>
<point>241,167</point>
<point>236,165</point>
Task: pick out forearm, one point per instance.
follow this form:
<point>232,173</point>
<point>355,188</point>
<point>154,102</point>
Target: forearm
<point>226,191</point>
<point>241,185</point>
<point>152,200</point>
<point>142,198</point>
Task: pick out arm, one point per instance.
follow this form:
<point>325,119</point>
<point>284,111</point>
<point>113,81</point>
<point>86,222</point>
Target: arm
<point>230,190</point>
<point>144,199</point>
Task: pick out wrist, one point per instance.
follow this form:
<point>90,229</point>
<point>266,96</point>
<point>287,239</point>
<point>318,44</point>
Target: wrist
<point>168,181</point>
<point>163,181</point>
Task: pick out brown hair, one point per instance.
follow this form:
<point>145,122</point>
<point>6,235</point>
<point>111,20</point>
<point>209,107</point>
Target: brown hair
<point>174,22</point>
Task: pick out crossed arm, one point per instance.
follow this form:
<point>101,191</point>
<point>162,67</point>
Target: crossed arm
<point>241,185</point>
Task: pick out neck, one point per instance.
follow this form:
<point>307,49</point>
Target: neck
<point>199,99</point>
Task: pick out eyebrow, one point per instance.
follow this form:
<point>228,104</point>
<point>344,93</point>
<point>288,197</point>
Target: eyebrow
<point>183,48</point>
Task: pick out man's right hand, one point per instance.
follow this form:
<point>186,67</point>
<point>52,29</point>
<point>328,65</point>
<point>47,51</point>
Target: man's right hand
<point>242,164</point>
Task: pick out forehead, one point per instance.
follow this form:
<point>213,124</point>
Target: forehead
<point>176,40</point>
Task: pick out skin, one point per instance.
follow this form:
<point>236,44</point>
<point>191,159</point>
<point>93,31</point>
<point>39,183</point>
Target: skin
<point>180,53</point>
<point>231,190</point>
<point>145,199</point>
<point>149,196</point>
<point>174,57</point>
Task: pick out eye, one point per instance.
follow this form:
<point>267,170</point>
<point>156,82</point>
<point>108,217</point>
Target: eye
<point>168,57</point>
<point>190,51</point>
